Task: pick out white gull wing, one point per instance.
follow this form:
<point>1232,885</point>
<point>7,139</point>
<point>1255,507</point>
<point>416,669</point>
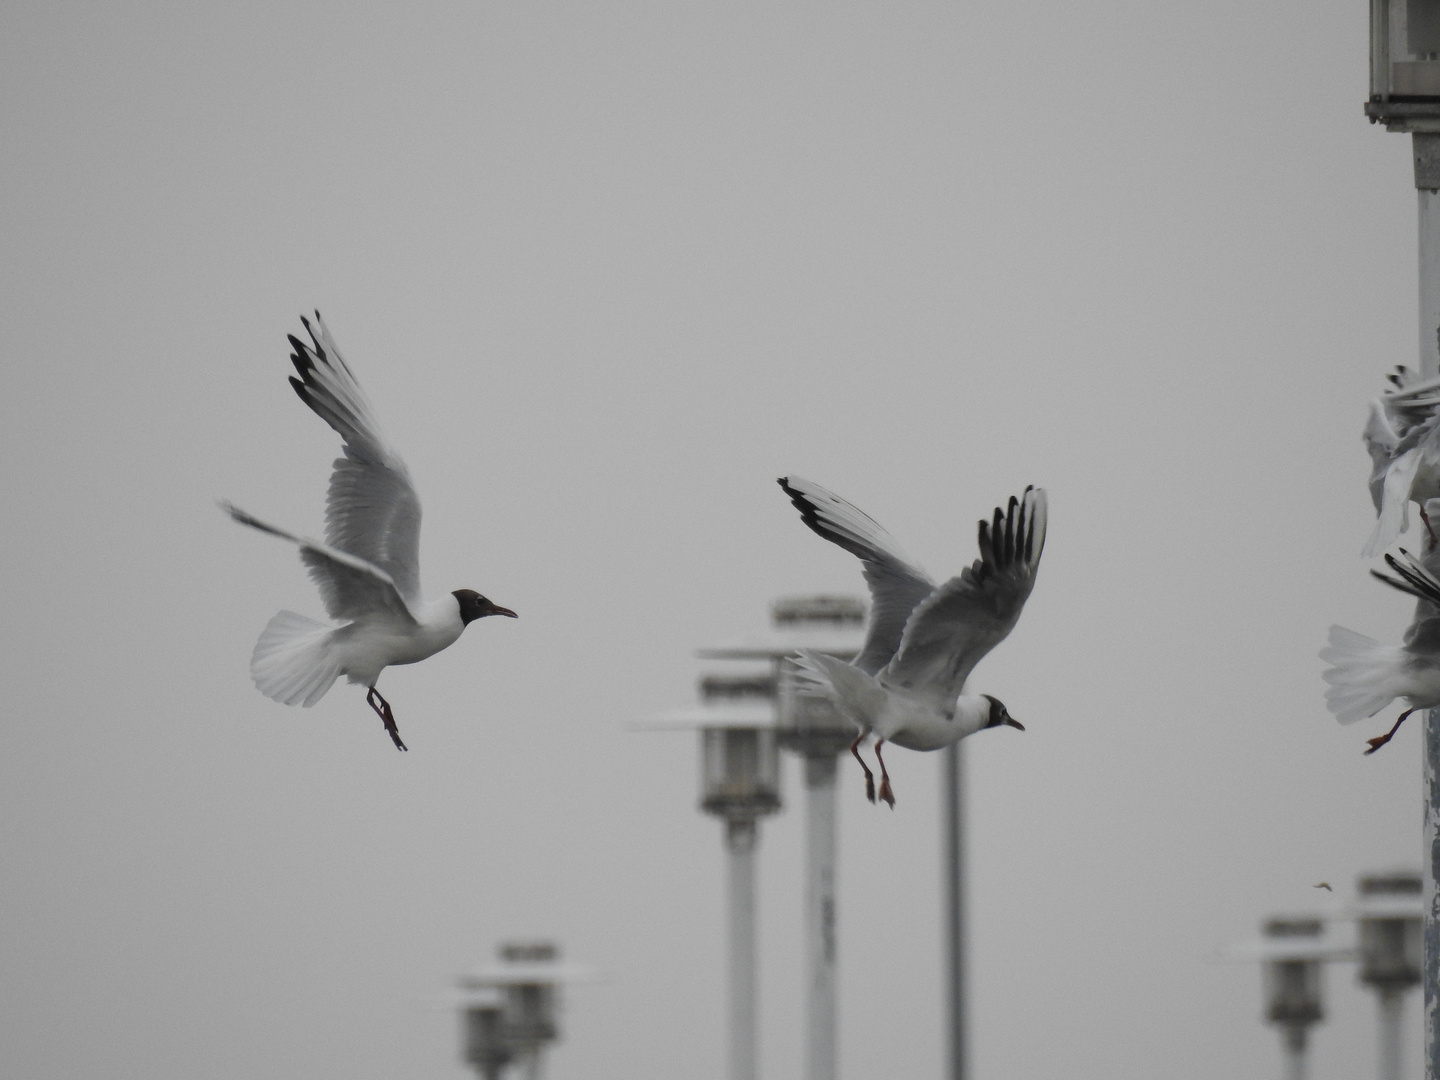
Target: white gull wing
<point>351,587</point>
<point>896,584</point>
<point>969,615</point>
<point>1380,440</point>
<point>372,511</point>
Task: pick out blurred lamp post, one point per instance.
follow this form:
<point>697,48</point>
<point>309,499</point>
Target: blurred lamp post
<point>740,782</point>
<point>487,1044</point>
<point>812,728</point>
<point>1405,97</point>
<point>510,1009</point>
<point>1390,920</point>
<point>1292,958</point>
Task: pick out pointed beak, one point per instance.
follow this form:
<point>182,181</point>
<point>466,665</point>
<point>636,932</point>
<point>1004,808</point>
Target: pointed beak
<point>1014,723</point>
<point>496,609</point>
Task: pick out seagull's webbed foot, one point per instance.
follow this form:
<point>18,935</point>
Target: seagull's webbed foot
<point>382,709</point>
<point>869,776</point>
<point>886,795</point>
<point>1381,740</point>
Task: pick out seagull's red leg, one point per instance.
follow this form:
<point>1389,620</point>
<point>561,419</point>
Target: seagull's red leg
<point>1434,540</point>
<point>1381,740</point>
<point>386,716</point>
<point>886,795</point>
<point>869,776</point>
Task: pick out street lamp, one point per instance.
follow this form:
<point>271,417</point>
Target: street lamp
<point>810,726</point>
<point>1390,922</point>
<point>740,782</point>
<point>1292,965</point>
<point>510,1009</point>
<point>487,1044</point>
<point>1405,97</point>
<point>1291,951</point>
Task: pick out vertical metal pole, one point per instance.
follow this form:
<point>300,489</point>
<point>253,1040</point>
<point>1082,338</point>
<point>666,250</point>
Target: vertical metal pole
<point>1295,1052</point>
<point>1426,147</point>
<point>741,836</point>
<point>1392,1006</point>
<point>820,1057</point>
<point>952,795</point>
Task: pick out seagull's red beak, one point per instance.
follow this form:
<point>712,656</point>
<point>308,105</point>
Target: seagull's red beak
<point>1014,723</point>
<point>496,609</point>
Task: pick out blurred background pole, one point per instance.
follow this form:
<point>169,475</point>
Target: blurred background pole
<point>510,1010</point>
<point>1292,985</point>
<point>952,798</point>
<point>1405,97</point>
<point>740,782</point>
<point>1390,925</point>
<point>821,999</point>
<point>810,727</point>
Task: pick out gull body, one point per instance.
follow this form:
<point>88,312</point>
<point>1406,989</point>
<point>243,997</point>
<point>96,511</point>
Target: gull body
<point>367,568</point>
<point>907,685</point>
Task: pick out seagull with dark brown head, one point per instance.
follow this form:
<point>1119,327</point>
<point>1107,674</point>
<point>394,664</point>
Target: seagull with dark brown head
<point>907,686</point>
<point>368,568</point>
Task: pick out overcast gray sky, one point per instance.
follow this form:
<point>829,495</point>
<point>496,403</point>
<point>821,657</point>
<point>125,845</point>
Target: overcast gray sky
<point>607,270</point>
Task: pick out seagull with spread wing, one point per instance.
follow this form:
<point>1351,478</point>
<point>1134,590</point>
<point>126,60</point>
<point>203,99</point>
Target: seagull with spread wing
<point>907,685</point>
<point>368,568</point>
<point>1365,675</point>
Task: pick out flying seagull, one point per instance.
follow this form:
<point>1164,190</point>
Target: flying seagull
<point>923,640</point>
<point>1366,675</point>
<point>368,568</point>
<point>1403,438</point>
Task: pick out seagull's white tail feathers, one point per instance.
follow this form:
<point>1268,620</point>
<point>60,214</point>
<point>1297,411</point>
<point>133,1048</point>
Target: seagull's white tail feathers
<point>854,693</point>
<point>294,661</point>
<point>1364,674</point>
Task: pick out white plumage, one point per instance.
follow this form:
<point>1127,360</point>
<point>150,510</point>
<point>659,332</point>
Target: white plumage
<point>1403,438</point>
<point>1365,675</point>
<point>907,685</point>
<point>368,567</point>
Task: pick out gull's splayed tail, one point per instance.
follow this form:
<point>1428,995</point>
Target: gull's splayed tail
<point>857,695</point>
<point>1363,675</point>
<point>293,661</point>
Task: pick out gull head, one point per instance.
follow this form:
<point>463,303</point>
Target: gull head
<point>1000,715</point>
<point>474,606</point>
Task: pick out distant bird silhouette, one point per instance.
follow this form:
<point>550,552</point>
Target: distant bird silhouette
<point>368,569</point>
<point>923,640</point>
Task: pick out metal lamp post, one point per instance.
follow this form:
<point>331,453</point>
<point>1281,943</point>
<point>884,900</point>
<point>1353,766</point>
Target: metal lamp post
<point>510,1009</point>
<point>1390,921</point>
<point>811,727</point>
<point>740,782</point>
<point>487,1044</point>
<point>1405,97</point>
<point>1292,965</point>
<point>1292,952</point>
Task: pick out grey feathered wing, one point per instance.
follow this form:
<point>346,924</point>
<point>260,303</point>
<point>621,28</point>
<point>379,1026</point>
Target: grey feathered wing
<point>372,511</point>
<point>897,586</point>
<point>962,620</point>
<point>350,587</point>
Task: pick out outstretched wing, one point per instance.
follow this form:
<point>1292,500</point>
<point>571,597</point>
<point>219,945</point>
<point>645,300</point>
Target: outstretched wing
<point>969,615</point>
<point>372,510</point>
<point>896,584</point>
<point>350,586</point>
